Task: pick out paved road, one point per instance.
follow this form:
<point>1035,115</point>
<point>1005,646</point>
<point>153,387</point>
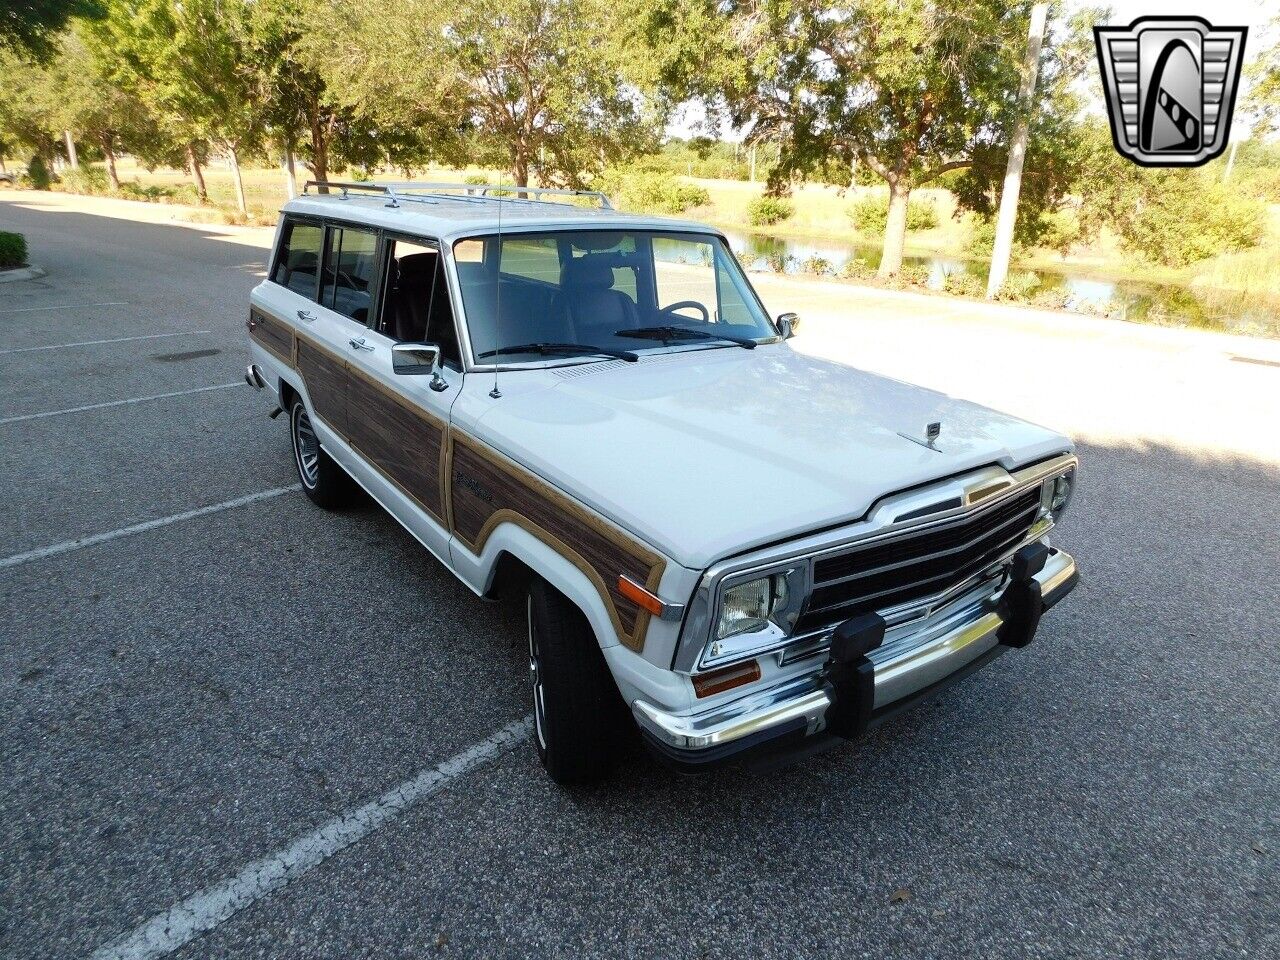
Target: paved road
<point>184,702</point>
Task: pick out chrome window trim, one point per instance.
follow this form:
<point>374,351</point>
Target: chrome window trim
<point>880,523</point>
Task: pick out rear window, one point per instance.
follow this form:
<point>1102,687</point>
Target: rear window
<point>298,263</point>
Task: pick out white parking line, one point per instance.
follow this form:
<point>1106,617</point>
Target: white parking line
<point>119,403</point>
<point>67,306</point>
<point>94,343</point>
<point>201,912</point>
<point>68,545</point>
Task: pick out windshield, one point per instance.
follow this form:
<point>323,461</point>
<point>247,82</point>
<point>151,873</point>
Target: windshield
<point>568,293</point>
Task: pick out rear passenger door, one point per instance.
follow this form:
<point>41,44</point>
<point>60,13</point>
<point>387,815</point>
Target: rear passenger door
<point>333,329</point>
<point>400,424</point>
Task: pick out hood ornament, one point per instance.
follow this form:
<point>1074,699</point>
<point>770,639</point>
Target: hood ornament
<point>931,433</point>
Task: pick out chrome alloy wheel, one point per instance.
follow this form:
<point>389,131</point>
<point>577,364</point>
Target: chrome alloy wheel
<point>306,447</point>
<point>539,697</point>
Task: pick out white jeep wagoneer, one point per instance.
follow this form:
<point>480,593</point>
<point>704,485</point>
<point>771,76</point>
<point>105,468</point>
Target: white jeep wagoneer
<point>741,550</point>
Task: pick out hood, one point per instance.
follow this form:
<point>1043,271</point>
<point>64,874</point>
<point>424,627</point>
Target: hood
<point>705,454</point>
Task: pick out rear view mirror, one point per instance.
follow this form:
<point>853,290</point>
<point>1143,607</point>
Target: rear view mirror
<point>788,324</point>
<point>418,360</point>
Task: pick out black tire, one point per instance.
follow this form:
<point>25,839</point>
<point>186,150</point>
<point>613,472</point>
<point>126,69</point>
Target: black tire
<point>326,483</point>
<point>580,720</point>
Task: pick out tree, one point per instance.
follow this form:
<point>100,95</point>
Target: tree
<point>1171,217</point>
<point>910,89</point>
<point>1055,148</point>
<point>29,26</point>
<point>190,64</point>
<point>537,86</point>
<point>1263,100</point>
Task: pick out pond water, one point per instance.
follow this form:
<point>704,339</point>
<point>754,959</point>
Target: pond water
<point>1166,303</point>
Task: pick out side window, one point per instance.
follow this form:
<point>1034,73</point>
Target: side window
<point>298,261</point>
<point>416,306</point>
<point>349,266</point>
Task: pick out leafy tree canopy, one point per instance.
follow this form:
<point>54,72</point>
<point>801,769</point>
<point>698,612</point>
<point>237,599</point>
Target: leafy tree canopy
<point>537,86</point>
<point>29,25</point>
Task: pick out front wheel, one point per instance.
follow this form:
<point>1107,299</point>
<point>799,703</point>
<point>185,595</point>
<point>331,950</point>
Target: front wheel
<point>579,719</point>
<point>326,483</point>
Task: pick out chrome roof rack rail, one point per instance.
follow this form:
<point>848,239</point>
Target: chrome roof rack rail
<point>346,188</point>
<point>395,192</point>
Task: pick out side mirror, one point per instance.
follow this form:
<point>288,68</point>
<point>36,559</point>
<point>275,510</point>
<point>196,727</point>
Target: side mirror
<point>789,324</point>
<point>418,360</point>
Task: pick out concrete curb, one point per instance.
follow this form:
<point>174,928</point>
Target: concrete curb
<point>22,273</point>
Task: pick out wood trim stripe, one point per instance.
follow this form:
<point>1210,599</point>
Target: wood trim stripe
<point>273,336</point>
<point>600,549</point>
<point>604,550</point>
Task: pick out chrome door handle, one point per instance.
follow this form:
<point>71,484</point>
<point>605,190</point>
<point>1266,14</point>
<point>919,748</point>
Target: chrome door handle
<point>306,315</point>
<point>359,344</point>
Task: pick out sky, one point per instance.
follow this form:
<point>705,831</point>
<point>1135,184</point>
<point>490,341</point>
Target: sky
<point>1254,14</point>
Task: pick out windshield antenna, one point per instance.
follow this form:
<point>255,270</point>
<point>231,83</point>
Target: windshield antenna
<point>495,393</point>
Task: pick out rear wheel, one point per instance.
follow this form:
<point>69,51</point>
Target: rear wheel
<point>579,719</point>
<point>326,483</point>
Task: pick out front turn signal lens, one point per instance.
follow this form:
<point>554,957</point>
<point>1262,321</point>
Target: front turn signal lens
<point>718,681</point>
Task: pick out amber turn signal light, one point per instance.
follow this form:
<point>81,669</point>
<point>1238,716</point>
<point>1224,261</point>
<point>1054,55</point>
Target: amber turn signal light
<point>718,681</point>
<point>641,597</point>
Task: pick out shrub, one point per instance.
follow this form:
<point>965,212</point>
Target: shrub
<point>780,262</point>
<point>1051,298</point>
<point>85,179</point>
<point>13,250</point>
<point>1019,287</point>
<point>870,214</point>
<point>765,210</point>
<point>37,176</point>
<point>962,283</point>
<point>1191,221</point>
<point>651,191</point>
<point>819,266</point>
<point>475,178</point>
<point>855,269</point>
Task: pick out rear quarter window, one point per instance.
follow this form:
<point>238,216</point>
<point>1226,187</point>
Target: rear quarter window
<point>298,260</point>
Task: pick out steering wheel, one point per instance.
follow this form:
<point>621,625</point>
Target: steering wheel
<point>694,304</point>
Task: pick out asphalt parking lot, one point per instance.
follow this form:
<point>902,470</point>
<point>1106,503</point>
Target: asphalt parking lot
<point>194,712</point>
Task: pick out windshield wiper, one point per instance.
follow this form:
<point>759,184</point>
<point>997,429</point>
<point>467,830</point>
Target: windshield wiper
<point>562,348</point>
<point>669,335</point>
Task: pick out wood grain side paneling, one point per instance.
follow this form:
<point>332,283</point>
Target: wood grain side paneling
<point>404,442</point>
<point>486,488</point>
<point>270,333</point>
<point>326,379</point>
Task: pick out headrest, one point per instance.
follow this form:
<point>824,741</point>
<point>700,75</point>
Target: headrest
<point>590,273</point>
<point>417,267</point>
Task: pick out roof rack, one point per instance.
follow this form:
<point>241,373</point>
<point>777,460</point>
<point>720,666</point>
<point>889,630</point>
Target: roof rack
<point>396,192</point>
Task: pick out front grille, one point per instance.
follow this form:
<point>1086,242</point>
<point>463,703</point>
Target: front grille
<point>916,565</point>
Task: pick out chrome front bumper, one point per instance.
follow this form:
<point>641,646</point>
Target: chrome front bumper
<point>964,638</point>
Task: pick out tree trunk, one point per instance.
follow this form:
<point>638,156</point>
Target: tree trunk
<point>108,151</point>
<point>1007,219</point>
<point>197,175</point>
<point>520,171</point>
<point>895,228</point>
<point>3,168</point>
<point>233,163</point>
<point>319,152</point>
<point>290,173</point>
<point>73,161</point>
